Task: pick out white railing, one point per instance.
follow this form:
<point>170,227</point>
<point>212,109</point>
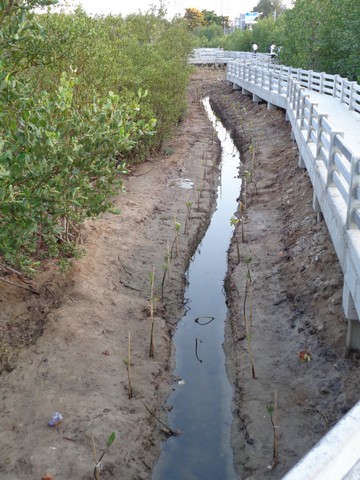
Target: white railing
<point>218,56</point>
<point>288,88</point>
<point>346,91</point>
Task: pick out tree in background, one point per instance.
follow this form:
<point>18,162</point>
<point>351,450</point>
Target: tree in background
<point>323,35</point>
<point>210,36</point>
<point>239,40</point>
<point>265,32</point>
<point>194,18</point>
<point>211,18</point>
<point>269,8</point>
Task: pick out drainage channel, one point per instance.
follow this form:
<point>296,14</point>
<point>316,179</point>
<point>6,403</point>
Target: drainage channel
<point>201,400</point>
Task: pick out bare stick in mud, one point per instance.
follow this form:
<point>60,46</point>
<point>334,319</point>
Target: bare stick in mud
<point>166,268</point>
<point>248,320</point>
<point>152,307</point>
<point>273,412</point>
<point>127,364</point>
<point>169,431</point>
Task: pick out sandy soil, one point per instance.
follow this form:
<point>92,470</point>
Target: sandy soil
<point>66,348</point>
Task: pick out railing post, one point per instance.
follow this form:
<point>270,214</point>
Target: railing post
<point>331,163</point>
<point>310,79</point>
<point>302,108</point>
<point>335,84</point>
<point>342,89</point>
<point>279,80</point>
<point>321,86</point>
<point>288,89</point>
<point>320,129</point>
<point>308,133</point>
<point>354,184</point>
<point>297,101</point>
<point>352,84</point>
<point>295,94</point>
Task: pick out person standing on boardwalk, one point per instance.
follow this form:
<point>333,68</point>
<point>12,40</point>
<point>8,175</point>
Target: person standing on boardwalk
<point>254,48</point>
<point>272,50</point>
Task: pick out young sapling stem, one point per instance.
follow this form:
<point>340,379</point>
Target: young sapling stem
<point>97,469</point>
<point>176,239</point>
<point>188,216</point>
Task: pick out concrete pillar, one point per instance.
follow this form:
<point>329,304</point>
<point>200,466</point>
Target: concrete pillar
<point>353,326</point>
<point>271,106</point>
<point>257,99</point>
<point>235,86</point>
<point>353,335</point>
<point>245,92</point>
<point>316,204</point>
<point>301,163</point>
<point>317,208</point>
<point>348,304</point>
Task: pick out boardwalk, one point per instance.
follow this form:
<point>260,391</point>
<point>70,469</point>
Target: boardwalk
<point>324,112</point>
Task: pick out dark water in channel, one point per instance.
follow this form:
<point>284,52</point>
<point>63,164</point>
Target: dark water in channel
<point>201,399</point>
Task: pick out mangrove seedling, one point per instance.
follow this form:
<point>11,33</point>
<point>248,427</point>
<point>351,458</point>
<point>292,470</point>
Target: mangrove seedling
<point>98,466</point>
<point>188,216</point>
<point>127,363</point>
<point>198,194</point>
<point>166,268</point>
<point>248,261</point>
<point>176,239</point>
<point>152,302</point>
<point>233,222</point>
<point>272,410</point>
<point>253,153</point>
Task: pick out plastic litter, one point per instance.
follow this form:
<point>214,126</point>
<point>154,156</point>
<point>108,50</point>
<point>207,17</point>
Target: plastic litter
<point>47,476</point>
<point>56,419</point>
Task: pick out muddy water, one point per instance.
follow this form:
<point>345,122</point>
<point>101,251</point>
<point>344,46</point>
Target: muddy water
<point>200,402</point>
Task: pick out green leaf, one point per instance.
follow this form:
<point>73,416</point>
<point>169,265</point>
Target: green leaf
<point>110,439</point>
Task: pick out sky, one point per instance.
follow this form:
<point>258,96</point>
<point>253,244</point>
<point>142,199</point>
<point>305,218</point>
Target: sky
<point>230,8</point>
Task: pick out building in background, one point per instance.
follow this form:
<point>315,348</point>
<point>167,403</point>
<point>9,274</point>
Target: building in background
<point>246,20</point>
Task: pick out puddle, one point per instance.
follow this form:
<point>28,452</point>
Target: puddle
<point>200,403</point>
<point>182,183</point>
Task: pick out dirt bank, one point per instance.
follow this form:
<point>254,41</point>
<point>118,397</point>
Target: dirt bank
<point>66,348</point>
